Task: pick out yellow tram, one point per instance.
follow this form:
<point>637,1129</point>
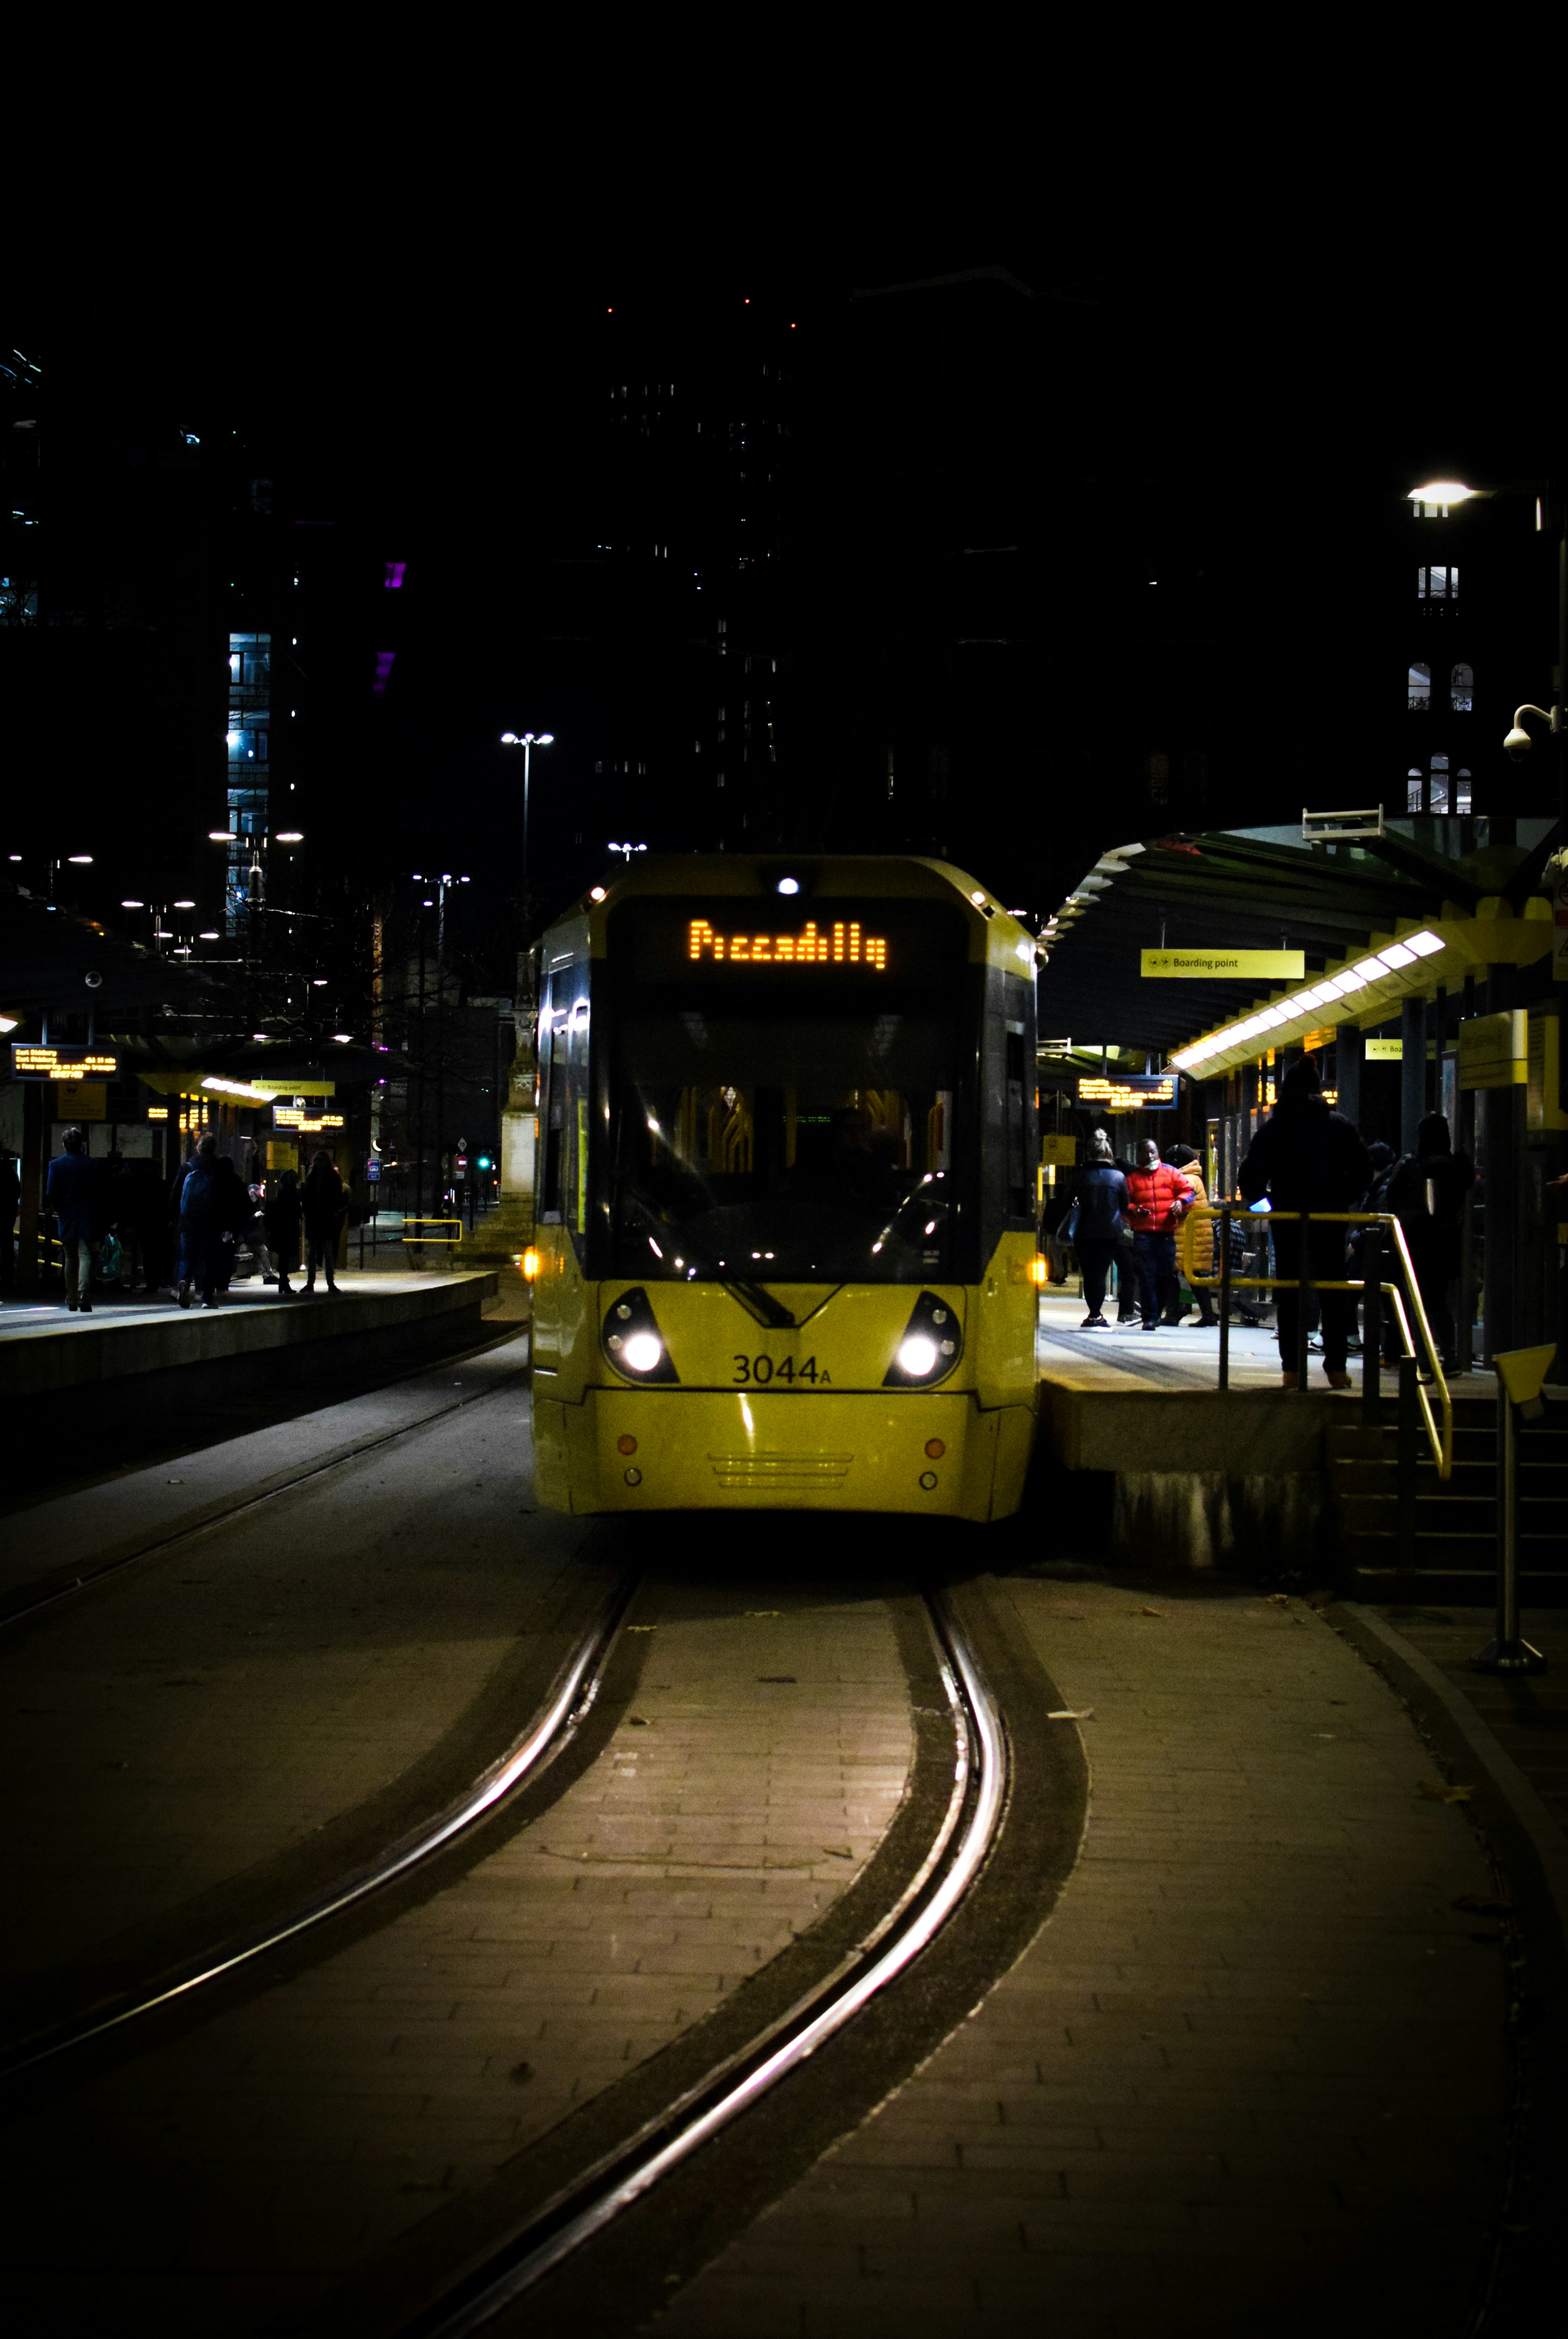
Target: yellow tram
<point>786,1253</point>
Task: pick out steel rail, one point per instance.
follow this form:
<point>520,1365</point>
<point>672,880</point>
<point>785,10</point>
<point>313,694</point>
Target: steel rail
<point>564,1708</point>
<point>958,1851</point>
<point>221,1513</point>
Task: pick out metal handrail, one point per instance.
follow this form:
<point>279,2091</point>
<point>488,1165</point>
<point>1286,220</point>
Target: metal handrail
<point>433,1222</point>
<point>1440,1440</point>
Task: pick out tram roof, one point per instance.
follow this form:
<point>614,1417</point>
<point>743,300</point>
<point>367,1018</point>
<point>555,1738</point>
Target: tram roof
<point>1272,889</point>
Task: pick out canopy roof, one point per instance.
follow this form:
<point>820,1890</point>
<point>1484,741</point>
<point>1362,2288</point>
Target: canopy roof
<point>1269,890</point>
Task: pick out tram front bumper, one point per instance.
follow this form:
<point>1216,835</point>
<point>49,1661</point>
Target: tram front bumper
<point>647,1449</point>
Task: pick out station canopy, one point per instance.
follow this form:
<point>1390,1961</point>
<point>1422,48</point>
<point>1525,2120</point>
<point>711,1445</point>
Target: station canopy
<point>1274,889</point>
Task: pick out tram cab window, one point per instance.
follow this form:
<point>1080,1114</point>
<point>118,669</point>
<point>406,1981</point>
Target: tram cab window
<point>792,1126</point>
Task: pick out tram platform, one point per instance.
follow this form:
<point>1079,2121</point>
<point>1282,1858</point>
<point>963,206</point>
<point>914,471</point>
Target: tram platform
<point>129,1349</point>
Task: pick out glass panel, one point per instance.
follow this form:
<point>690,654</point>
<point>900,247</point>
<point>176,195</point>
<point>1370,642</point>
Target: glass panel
<point>787,1118</point>
<point>1420,698</point>
<point>1421,574</point>
<point>1412,793</point>
<point>1439,802</point>
<point>1462,792</point>
<point>1462,686</point>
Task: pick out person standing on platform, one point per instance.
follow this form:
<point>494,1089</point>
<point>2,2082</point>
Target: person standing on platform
<point>1158,1198</point>
<point>70,1191</point>
<point>1183,1158</point>
<point>1427,1195</point>
<point>1307,1157</point>
<point>201,1227</point>
<point>281,1213</point>
<point>1098,1213</point>
<point>326,1206</point>
<point>233,1214</point>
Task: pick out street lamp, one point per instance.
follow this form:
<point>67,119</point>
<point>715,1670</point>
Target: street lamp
<point>528,741</point>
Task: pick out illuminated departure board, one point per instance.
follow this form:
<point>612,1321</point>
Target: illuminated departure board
<point>740,944</point>
<point>1128,1091</point>
<point>32,1063</point>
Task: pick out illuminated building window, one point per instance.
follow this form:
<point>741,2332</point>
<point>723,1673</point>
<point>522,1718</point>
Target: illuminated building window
<point>1462,689</point>
<point>1461,803</point>
<point>1437,793</point>
<point>1438,584</point>
<point>1412,791</point>
<point>1420,694</point>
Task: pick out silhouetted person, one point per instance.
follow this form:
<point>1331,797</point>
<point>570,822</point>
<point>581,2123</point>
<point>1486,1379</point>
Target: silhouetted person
<point>326,1206</point>
<point>1183,1158</point>
<point>10,1202</point>
<point>1307,1157</point>
<point>282,1214</point>
<point>72,1193</point>
<point>1427,1195</point>
<point>201,1227</point>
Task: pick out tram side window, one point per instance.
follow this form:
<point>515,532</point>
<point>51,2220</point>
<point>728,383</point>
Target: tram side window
<point>1017,1146</point>
<point>566,1134</point>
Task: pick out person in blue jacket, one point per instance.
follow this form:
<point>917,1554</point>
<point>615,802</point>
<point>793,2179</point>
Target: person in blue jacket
<point>70,1191</point>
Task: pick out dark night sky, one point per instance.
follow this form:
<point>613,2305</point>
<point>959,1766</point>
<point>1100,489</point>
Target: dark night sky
<point>1246,343</point>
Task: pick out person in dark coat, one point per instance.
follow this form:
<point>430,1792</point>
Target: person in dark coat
<point>1427,1195</point>
<point>201,1227</point>
<point>1097,1215</point>
<point>282,1214</point>
<point>1307,1157</point>
<point>326,1206</point>
<point>70,1191</point>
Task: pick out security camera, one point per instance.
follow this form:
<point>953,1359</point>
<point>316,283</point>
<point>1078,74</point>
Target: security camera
<point>1517,742</point>
<point>94,982</point>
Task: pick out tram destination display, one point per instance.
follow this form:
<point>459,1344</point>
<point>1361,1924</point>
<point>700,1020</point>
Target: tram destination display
<point>735,943</point>
<point>1128,1091</point>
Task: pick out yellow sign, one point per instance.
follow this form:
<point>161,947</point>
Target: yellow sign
<point>83,1101</point>
<point>841,944</point>
<point>1058,1152</point>
<point>1385,1052</point>
<point>1493,1051</point>
<point>1225,965</point>
<point>1543,1104</point>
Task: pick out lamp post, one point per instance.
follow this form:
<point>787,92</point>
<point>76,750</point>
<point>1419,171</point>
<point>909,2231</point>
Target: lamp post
<point>528,741</point>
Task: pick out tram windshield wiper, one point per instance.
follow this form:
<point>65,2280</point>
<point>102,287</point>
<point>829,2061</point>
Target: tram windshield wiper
<point>759,1302</point>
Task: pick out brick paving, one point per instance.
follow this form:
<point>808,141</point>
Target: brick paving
<point>1251,2077</point>
<point>232,2174</point>
<point>214,1705</point>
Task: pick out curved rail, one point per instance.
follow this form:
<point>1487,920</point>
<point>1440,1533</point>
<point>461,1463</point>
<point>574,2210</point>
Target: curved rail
<point>958,1851</point>
<point>220,1512</point>
<point>564,1708</point>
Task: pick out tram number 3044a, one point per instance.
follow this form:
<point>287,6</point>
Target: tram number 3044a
<point>793,1099</point>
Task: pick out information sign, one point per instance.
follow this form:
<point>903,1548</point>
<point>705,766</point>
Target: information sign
<point>32,1062</point>
<point>1128,1091</point>
<point>1207,965</point>
<point>1385,1051</point>
<point>1493,1051</point>
<point>1057,1152</point>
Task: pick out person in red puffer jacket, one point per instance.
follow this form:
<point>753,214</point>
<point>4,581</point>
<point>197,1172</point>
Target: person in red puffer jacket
<point>1158,1198</point>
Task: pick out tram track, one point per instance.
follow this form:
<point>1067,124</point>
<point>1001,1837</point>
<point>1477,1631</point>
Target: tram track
<point>578,2214</point>
<point>51,1593</point>
<point>549,1731</point>
<point>817,2015</point>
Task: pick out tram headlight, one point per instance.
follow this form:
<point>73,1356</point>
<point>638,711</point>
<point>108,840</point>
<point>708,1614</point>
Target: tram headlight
<point>931,1346</point>
<point>632,1339</point>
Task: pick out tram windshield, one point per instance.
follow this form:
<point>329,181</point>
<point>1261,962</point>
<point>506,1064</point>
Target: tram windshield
<point>794,1127</point>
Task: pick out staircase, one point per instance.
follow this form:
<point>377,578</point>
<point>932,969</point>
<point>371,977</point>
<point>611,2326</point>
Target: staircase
<point>1406,1535</point>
